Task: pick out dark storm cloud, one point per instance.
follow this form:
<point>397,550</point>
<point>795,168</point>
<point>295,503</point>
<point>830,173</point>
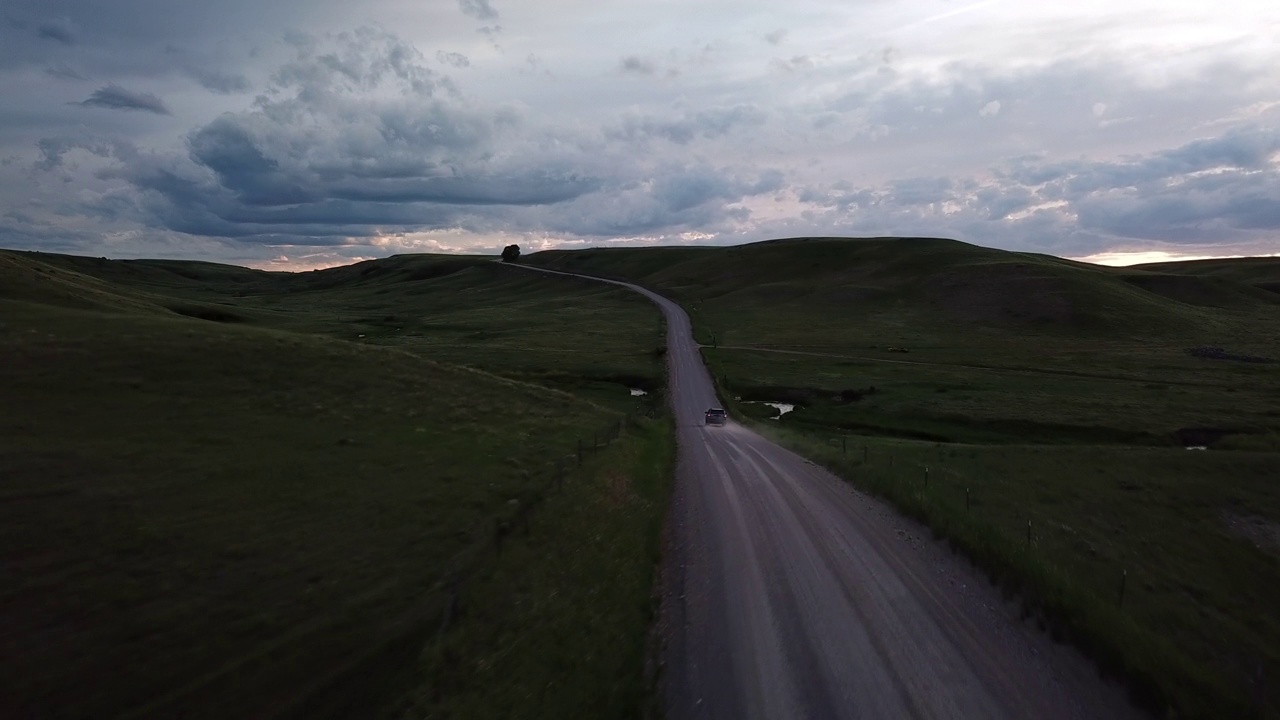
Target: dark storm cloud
<point>54,149</point>
<point>220,82</point>
<point>457,60</point>
<point>58,30</point>
<point>233,154</point>
<point>115,97</point>
<point>666,199</point>
<point>353,135</point>
<point>327,152</point>
<point>63,72</point>
<point>1185,211</point>
<point>922,190</point>
<point>999,203</point>
<point>1241,150</point>
<point>478,9</point>
<point>709,123</point>
<point>355,61</point>
<point>1223,189</point>
<point>636,65</point>
<point>532,188</point>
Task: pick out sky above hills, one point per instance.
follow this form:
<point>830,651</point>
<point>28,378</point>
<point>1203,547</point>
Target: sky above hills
<point>302,133</point>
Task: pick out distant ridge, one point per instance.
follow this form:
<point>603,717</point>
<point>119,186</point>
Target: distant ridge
<point>929,283</point>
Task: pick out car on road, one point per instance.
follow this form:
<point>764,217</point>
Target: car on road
<point>717,416</point>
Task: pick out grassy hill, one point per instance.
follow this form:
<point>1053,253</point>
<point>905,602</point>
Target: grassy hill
<point>1035,411</point>
<point>230,493</point>
<point>919,290</point>
<point>1260,272</point>
<point>217,478</point>
<point>967,343</point>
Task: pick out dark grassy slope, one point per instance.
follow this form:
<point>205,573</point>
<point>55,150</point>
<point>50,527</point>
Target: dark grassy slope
<point>1263,273</point>
<point>1051,391</point>
<point>999,343</point>
<point>915,289</point>
<point>1251,270</point>
<point>189,497</point>
<point>466,310</point>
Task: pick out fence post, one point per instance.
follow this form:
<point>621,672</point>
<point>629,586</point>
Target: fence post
<point>966,499</point>
<point>1028,533</point>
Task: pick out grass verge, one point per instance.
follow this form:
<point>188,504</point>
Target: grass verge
<point>556,626</point>
<point>205,518</point>
<point>1123,552</point>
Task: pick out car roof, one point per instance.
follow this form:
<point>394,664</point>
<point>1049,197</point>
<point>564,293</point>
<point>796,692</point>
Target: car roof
<point>716,410</point>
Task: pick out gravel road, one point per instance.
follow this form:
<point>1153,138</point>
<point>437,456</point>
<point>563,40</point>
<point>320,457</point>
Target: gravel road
<point>787,594</point>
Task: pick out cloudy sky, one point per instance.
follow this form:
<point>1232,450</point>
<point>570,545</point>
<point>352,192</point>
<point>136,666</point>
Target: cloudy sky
<point>299,133</point>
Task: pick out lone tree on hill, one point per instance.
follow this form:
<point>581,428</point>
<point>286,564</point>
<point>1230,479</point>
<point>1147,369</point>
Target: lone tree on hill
<point>511,253</point>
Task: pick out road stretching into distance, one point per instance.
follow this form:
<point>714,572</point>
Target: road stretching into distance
<point>788,594</point>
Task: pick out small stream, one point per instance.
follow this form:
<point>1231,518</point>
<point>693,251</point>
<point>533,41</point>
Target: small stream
<point>781,407</point>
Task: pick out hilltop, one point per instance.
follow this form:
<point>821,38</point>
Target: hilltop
<point>1260,272</point>
<point>922,290</point>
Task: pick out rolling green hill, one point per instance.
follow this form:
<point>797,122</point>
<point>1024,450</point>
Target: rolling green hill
<point>1035,411</point>
<point>226,492</point>
<point>967,343</point>
<point>1260,272</point>
<point>915,290</point>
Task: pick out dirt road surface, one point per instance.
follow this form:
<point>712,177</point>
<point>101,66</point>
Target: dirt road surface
<point>787,594</point>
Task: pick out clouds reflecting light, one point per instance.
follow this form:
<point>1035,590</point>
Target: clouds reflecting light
<point>311,133</point>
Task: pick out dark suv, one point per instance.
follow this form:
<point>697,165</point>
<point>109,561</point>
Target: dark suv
<point>717,416</point>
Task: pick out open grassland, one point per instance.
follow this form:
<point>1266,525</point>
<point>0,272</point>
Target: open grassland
<point>1261,272</point>
<point>1055,392</point>
<point>956,402</point>
<point>589,338</point>
<point>550,631</point>
<point>1162,563</point>
<point>217,500</point>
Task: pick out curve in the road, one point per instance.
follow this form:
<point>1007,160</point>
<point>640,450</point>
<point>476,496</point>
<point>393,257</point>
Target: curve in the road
<point>787,594</point>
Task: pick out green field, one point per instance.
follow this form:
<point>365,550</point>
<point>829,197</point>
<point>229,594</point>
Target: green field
<point>1055,392</point>
<point>229,493</point>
